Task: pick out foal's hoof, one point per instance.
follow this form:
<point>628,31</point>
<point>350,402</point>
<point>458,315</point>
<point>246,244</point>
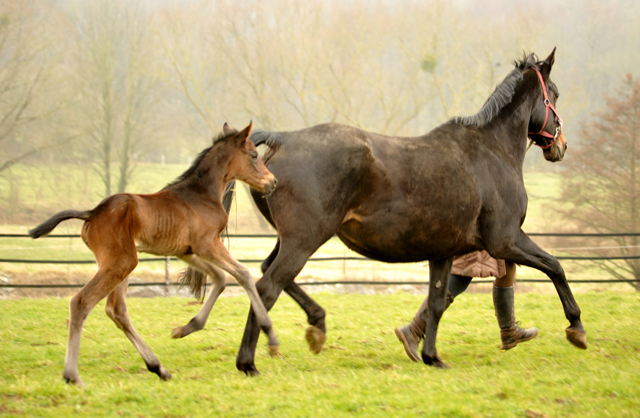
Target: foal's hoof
<point>577,338</point>
<point>316,338</point>
<point>434,361</point>
<point>274,351</point>
<point>162,373</point>
<point>76,381</point>
<point>409,342</point>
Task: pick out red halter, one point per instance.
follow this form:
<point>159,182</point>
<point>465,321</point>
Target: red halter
<point>547,105</point>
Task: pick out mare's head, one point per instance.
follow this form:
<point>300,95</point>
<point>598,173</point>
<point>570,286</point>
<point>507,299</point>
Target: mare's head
<point>545,125</point>
<point>245,164</point>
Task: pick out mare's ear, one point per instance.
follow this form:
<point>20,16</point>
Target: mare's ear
<point>548,63</point>
<point>531,60</point>
<point>244,134</point>
<point>228,130</point>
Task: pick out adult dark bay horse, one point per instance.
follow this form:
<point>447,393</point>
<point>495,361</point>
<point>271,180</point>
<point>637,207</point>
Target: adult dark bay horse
<point>457,189</point>
<point>184,219</point>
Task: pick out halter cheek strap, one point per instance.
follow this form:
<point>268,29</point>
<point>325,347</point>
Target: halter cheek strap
<point>547,105</point>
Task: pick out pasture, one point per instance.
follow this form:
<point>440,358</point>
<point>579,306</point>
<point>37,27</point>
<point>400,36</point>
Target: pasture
<point>362,371</point>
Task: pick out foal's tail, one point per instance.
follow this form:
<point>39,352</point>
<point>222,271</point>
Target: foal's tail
<point>195,280</point>
<point>48,226</point>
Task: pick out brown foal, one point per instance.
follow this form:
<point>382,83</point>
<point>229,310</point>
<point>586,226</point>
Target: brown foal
<point>184,220</point>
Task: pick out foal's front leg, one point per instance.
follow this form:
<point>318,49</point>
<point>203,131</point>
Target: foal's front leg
<point>219,284</point>
<point>221,257</point>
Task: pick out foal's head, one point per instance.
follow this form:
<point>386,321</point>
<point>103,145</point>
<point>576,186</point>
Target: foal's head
<point>245,164</point>
<point>545,125</point>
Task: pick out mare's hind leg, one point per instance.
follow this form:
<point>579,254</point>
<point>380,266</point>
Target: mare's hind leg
<point>117,310</point>
<point>219,256</point>
<point>526,252</point>
<point>219,284</point>
<point>103,283</point>
<point>439,272</point>
<point>316,333</point>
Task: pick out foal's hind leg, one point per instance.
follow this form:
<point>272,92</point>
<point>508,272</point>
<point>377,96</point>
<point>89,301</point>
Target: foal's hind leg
<point>117,310</point>
<point>107,278</point>
<point>219,283</point>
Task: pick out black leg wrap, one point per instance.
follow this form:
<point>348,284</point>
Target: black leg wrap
<point>458,284</point>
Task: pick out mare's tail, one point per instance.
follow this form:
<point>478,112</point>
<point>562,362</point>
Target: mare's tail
<point>48,226</point>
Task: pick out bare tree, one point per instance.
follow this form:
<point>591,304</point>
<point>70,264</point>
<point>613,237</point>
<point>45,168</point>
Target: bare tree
<point>116,101</point>
<point>604,188</point>
<point>29,70</point>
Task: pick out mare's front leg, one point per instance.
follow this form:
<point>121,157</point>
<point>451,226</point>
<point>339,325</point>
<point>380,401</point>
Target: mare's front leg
<point>219,283</point>
<point>526,252</point>
<point>281,273</point>
<point>439,272</point>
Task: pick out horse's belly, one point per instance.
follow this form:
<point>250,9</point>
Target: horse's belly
<point>404,240</point>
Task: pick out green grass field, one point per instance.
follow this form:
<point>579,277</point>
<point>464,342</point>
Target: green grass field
<point>362,371</point>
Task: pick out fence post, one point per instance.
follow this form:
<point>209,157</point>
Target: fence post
<point>166,276</point>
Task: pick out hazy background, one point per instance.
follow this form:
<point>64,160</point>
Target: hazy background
<point>112,84</point>
<point>105,96</point>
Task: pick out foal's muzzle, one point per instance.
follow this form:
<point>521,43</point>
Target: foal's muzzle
<point>269,185</point>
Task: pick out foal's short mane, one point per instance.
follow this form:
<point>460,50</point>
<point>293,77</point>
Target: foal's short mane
<point>502,96</point>
<point>191,170</point>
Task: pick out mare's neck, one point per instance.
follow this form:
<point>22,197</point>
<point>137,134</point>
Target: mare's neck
<point>510,127</point>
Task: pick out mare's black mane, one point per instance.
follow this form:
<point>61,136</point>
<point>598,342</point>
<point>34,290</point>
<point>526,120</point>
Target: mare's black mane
<point>501,97</point>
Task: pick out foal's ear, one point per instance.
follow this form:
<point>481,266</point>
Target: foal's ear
<point>245,134</point>
<point>228,130</point>
<point>548,63</point>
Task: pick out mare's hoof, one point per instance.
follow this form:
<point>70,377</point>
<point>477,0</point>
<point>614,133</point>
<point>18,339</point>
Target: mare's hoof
<point>316,338</point>
<point>434,361</point>
<point>274,351</point>
<point>577,338</point>
<point>250,371</point>
<point>409,342</point>
<point>177,333</point>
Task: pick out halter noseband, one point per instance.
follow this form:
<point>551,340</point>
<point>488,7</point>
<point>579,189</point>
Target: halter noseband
<point>547,105</point>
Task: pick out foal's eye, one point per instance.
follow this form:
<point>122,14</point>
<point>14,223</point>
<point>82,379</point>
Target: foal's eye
<point>253,155</point>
